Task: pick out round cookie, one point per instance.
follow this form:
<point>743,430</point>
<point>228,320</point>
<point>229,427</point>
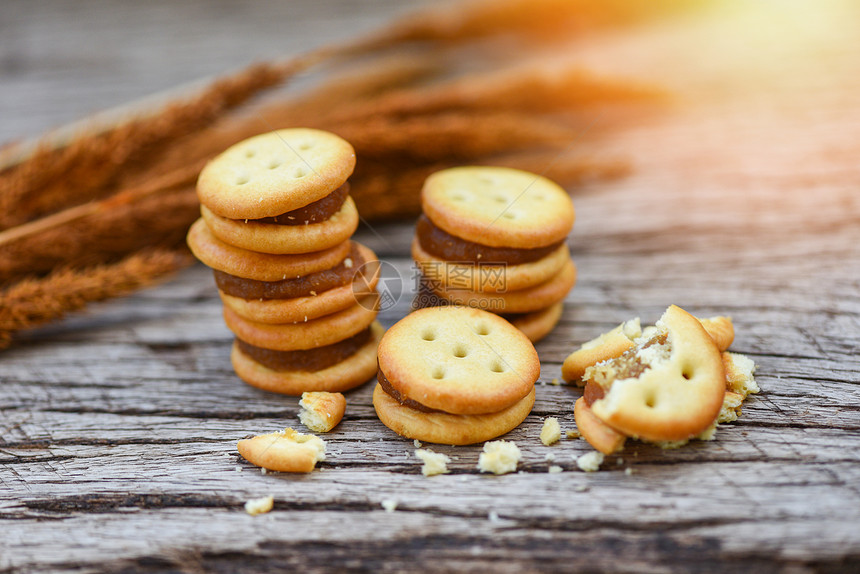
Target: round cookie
<point>458,360</point>
<point>247,264</point>
<point>275,172</point>
<point>677,397</point>
<point>278,311</point>
<point>306,334</point>
<point>521,301</point>
<point>498,206</point>
<point>298,309</point>
<point>538,324</point>
<point>342,376</point>
<point>488,278</point>
<point>284,239</point>
<point>445,428</point>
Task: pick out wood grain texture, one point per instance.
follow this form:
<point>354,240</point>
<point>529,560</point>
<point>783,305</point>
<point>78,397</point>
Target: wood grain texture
<point>118,427</point>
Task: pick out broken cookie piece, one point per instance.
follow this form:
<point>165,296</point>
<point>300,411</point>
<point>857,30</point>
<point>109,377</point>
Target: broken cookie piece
<point>606,346</point>
<point>284,451</point>
<point>599,435</point>
<point>321,411</point>
<point>739,374</point>
<point>613,343</point>
<point>666,388</point>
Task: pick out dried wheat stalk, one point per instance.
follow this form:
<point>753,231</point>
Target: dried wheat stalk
<point>53,179</point>
<point>529,88</point>
<point>33,302</point>
<point>536,20</point>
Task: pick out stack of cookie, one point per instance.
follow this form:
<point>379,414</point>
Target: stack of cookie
<point>454,375</point>
<point>495,238</point>
<point>276,227</point>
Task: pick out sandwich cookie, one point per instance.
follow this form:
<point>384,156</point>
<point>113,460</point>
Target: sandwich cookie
<point>628,351</point>
<point>495,238</point>
<point>454,375</point>
<point>669,387</point>
<point>282,192</point>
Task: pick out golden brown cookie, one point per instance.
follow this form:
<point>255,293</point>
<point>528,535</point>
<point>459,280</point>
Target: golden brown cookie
<point>445,428</point>
<point>321,410</point>
<point>347,374</point>
<point>298,309</point>
<point>284,239</point>
<point>488,278</point>
<point>497,206</point>
<point>615,342</point>
<point>538,324</point>
<point>521,301</point>
<point>601,436</point>
<point>667,388</point>
<point>606,346</point>
<point>721,330</point>
<point>275,172</point>
<point>284,451</point>
<point>259,266</point>
<point>459,360</point>
<point>309,334</point>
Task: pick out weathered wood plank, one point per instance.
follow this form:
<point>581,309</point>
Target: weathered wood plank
<point>118,426</point>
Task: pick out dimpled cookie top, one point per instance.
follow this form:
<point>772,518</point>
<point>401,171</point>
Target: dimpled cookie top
<point>499,207</point>
<point>459,360</point>
<point>275,172</point>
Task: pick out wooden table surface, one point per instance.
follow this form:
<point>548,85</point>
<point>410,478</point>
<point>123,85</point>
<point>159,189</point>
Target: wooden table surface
<point>118,426</point>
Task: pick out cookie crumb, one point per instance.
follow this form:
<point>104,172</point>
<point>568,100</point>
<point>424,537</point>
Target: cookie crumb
<point>238,468</point>
<point>555,382</point>
<point>262,505</point>
<point>434,462</point>
<point>417,443</point>
<point>581,488</point>
<point>499,457</point>
<point>554,469</point>
<point>264,470</point>
<point>629,470</point>
<point>590,461</point>
<point>347,263</point>
<point>389,505</point>
<point>549,457</point>
<point>493,516</point>
<point>573,434</point>
<point>551,431</point>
